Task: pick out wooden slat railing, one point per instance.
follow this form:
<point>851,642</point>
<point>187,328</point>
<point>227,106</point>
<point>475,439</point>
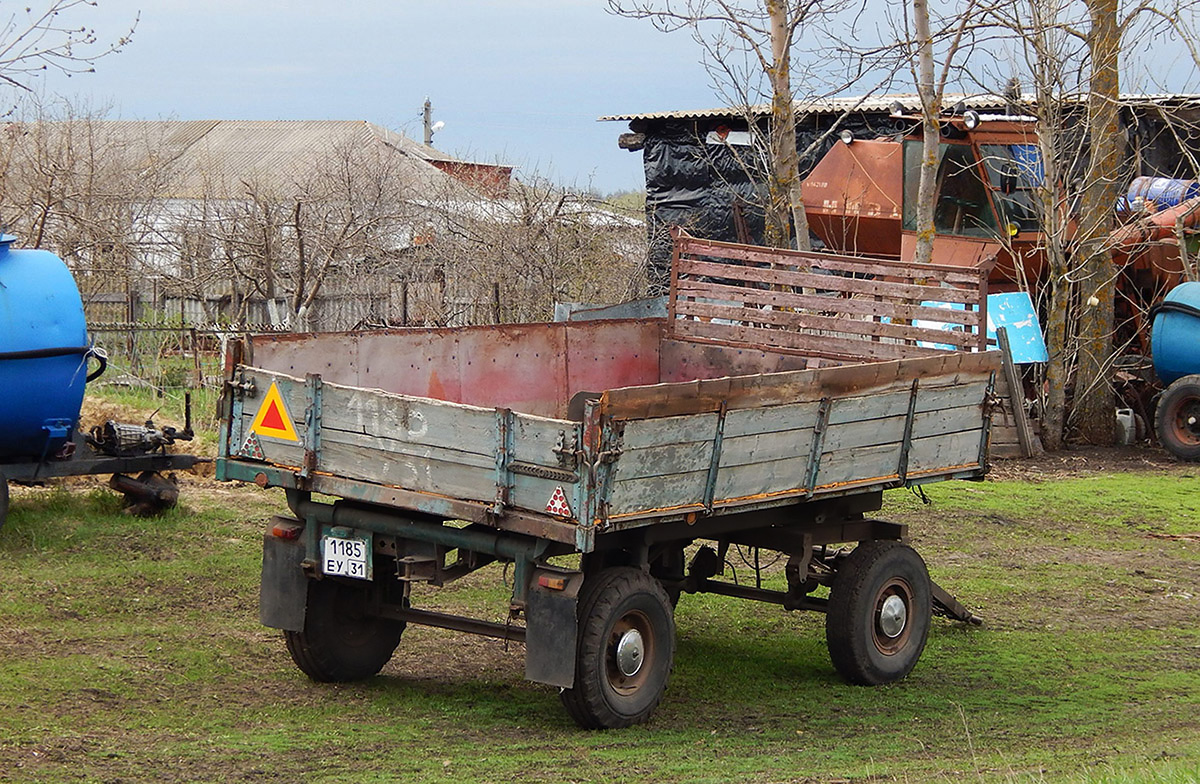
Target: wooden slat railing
<point>842,308</point>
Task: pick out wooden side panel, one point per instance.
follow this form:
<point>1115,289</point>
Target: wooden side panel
<point>772,452</point>
<point>418,444</point>
<point>664,464</point>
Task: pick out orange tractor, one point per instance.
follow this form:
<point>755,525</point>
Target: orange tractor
<point>861,198</point>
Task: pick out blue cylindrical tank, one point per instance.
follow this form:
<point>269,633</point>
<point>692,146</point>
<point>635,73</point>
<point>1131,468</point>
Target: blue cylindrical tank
<point>43,353</point>
<point>1175,334</point>
<point>1163,191</point>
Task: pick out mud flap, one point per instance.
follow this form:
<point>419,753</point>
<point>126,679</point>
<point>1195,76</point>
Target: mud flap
<point>283,594</point>
<point>551,626</point>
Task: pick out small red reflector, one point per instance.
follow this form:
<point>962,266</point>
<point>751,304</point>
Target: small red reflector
<point>286,530</point>
<point>553,583</point>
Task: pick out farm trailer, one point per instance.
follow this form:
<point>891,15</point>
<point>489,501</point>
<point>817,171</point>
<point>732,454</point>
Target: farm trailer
<point>783,393</point>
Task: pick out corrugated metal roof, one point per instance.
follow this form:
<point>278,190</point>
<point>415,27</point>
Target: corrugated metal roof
<point>882,103</point>
<point>217,158</point>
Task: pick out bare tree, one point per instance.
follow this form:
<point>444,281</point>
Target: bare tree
<point>931,89</point>
<point>1073,53</point>
<point>511,258</point>
<point>747,48</point>
<point>48,37</point>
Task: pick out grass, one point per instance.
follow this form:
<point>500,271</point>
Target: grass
<point>130,650</point>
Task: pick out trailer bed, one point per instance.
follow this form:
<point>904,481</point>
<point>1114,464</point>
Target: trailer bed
<point>571,430</point>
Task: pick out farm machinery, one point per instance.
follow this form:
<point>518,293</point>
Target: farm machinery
<point>861,198</point>
<point>45,358</point>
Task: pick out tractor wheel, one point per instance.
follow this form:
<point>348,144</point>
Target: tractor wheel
<point>1177,420</point>
<point>625,649</point>
<point>340,642</point>
<point>879,611</point>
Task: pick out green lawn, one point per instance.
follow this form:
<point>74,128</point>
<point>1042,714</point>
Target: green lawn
<point>130,651</point>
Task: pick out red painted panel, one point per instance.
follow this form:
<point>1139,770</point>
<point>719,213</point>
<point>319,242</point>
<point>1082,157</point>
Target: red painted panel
<point>612,354</point>
<point>532,368</point>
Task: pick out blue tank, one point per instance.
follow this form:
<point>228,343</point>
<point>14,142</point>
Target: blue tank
<point>1163,191</point>
<point>1175,334</point>
<point>43,353</point>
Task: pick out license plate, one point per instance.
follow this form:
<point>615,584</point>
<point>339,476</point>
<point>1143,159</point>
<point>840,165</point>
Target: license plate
<point>346,557</point>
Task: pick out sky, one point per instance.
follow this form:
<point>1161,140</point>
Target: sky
<point>518,81</point>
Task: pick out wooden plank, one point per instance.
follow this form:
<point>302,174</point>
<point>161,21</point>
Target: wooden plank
<point>795,321</point>
<point>764,447</point>
<point>1016,396</point>
<point>418,473</point>
<point>871,432</point>
<point>769,419</point>
<point>736,392</point>
<point>767,477</point>
<point>643,433</point>
<point>687,246</point>
<point>632,496</point>
<point>407,418</point>
<point>662,461</point>
<point>968,390</point>
<point>851,465</point>
<point>856,304</point>
<point>816,345</point>
<point>939,452</point>
<point>778,277</point>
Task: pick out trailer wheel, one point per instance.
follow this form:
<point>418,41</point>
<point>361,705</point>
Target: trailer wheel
<point>340,642</point>
<point>626,646</point>
<point>879,611</point>
<point>1177,420</point>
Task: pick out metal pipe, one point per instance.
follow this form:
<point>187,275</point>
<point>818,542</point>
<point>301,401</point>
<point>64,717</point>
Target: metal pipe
<point>456,622</point>
<point>504,545</point>
<point>762,595</point>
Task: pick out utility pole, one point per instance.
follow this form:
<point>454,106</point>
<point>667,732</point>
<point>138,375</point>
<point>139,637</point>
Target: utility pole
<point>428,123</point>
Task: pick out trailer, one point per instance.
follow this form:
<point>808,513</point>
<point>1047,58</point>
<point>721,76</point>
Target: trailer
<point>613,464</point>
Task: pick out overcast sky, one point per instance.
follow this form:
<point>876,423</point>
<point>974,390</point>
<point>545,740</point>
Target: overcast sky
<point>519,81</point>
<point>522,81</point>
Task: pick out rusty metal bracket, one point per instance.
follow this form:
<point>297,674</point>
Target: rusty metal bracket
<point>902,471</point>
<point>312,426</point>
<point>567,451</point>
<point>710,484</point>
<point>818,440</point>
<point>504,445</point>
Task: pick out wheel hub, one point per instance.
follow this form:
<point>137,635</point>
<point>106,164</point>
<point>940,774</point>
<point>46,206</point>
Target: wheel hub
<point>893,616</point>
<point>630,653</point>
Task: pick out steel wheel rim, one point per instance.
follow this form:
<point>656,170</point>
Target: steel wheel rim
<point>1186,422</point>
<point>631,630</point>
<point>891,621</point>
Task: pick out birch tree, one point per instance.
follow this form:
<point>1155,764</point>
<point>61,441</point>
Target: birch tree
<point>747,48</point>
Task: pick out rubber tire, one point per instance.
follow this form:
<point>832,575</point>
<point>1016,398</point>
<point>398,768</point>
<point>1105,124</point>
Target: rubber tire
<point>620,595</point>
<point>856,644</point>
<point>1179,401</point>
<point>339,643</point>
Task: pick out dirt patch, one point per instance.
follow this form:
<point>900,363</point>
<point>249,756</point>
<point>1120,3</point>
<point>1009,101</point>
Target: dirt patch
<point>1087,461</point>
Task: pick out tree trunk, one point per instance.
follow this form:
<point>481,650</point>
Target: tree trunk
<point>1093,414</point>
<point>785,203</point>
<point>931,137</point>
